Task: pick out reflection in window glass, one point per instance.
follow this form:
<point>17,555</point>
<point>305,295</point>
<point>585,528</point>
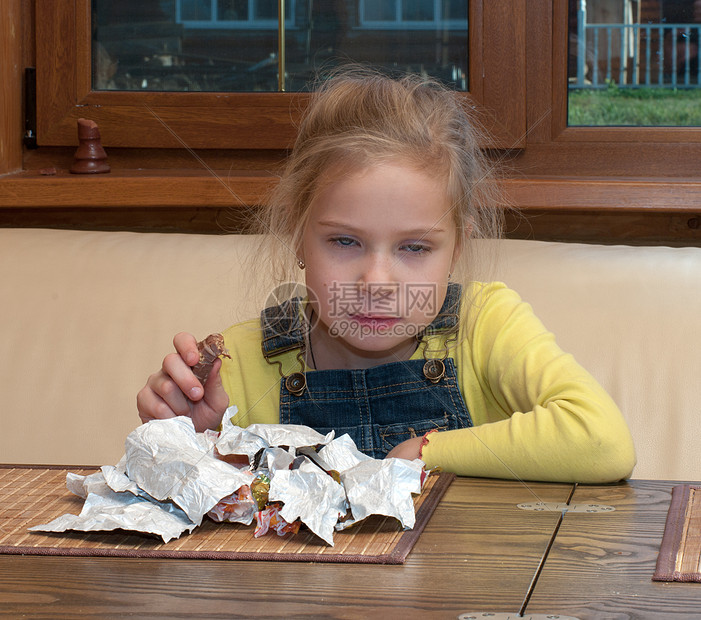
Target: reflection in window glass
<point>266,9</point>
<point>417,10</point>
<point>634,62</point>
<point>380,10</point>
<point>231,10</point>
<point>232,45</point>
<point>196,9</point>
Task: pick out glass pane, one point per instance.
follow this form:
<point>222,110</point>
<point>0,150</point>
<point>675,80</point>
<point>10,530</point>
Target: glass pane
<point>402,35</point>
<point>196,9</point>
<point>417,10</point>
<point>232,45</point>
<point>634,63</point>
<point>266,9</point>
<point>380,10</point>
<point>453,9</point>
<point>179,45</point>
<point>232,10</point>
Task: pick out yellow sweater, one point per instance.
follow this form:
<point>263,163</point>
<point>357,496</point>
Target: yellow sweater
<point>538,415</point>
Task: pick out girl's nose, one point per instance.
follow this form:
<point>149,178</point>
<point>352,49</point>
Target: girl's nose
<point>378,285</point>
<point>376,272</point>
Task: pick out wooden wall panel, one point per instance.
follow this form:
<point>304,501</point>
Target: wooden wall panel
<point>11,118</point>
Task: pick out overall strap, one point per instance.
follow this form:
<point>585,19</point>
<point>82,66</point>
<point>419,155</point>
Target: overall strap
<point>284,327</point>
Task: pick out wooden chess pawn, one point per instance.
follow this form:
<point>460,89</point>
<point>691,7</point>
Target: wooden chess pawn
<point>90,157</point>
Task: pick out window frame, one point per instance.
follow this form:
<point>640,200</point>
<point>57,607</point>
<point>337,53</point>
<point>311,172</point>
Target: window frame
<point>562,132</point>
<point>554,150</point>
<point>245,120</point>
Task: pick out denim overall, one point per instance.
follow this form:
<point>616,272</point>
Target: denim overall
<point>378,407</point>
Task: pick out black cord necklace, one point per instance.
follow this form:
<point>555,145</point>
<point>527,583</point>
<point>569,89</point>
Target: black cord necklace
<point>309,340</point>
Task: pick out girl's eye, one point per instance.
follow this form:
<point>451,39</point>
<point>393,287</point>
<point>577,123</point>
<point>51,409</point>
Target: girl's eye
<point>344,242</point>
<point>416,248</point>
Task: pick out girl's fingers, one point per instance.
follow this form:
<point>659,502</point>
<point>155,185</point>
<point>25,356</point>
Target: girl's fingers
<point>214,393</point>
<point>151,406</point>
<point>175,391</point>
<point>172,396</point>
<point>186,346</point>
<point>177,369</point>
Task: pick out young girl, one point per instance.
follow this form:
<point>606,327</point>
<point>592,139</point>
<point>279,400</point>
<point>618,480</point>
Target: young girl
<point>380,199</point>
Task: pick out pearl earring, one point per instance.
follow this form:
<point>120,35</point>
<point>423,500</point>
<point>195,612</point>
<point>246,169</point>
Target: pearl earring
<point>300,263</point>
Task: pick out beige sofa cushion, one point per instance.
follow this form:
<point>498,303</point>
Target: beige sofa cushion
<point>628,315</point>
<point>87,316</point>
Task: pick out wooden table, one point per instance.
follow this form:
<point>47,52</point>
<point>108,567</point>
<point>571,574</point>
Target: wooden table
<point>479,552</point>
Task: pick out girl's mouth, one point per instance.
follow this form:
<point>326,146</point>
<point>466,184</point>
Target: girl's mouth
<point>376,320</point>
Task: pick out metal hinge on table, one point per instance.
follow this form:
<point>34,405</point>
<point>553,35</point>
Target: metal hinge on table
<point>479,615</point>
<point>560,507</point>
<point>30,108</point>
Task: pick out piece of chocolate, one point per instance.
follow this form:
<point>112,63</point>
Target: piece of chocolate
<point>210,349</point>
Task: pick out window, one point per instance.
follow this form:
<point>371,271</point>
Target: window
<point>634,63</point>
<point>240,46</point>
<point>158,104</point>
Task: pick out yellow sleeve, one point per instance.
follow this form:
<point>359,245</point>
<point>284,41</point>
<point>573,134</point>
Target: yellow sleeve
<point>538,414</point>
<point>252,384</point>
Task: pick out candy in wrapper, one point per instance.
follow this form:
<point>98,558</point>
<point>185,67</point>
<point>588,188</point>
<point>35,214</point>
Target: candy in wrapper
<point>239,507</point>
<point>210,349</point>
<point>260,488</point>
<point>270,519</point>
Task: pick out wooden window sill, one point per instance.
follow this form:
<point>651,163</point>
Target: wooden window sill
<point>193,188</point>
<point>142,188</point>
<point>593,210</point>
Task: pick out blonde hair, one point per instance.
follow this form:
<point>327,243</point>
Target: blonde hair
<point>359,118</point>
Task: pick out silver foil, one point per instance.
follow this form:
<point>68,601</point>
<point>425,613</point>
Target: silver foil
<point>105,510</point>
<point>310,495</point>
<point>171,476</point>
<point>382,487</point>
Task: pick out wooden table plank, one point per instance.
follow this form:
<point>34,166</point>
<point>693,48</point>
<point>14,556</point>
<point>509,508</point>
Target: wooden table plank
<point>476,553</point>
<point>601,565</point>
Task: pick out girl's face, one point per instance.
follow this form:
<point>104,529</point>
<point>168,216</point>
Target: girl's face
<point>378,248</point>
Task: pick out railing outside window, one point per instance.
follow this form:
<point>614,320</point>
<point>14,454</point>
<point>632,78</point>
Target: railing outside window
<point>637,55</point>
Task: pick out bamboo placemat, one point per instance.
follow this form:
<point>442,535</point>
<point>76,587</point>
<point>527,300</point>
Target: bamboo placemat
<point>679,558</point>
<point>36,495</point>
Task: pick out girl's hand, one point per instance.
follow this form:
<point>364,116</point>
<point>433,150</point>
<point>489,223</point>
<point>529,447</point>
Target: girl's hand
<point>409,449</point>
<point>174,390</point>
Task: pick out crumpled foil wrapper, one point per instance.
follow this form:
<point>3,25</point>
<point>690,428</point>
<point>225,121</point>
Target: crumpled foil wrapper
<point>310,495</point>
<point>342,454</point>
<point>171,477</point>
<point>250,440</point>
<point>106,509</point>
<point>382,487</point>
<point>170,461</point>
